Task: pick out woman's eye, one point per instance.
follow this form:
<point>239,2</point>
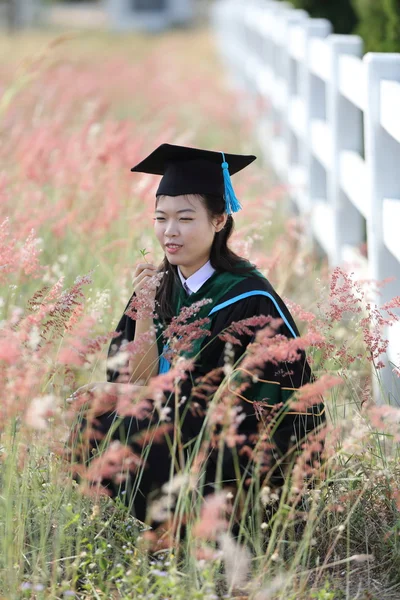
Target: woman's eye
<point>162,219</point>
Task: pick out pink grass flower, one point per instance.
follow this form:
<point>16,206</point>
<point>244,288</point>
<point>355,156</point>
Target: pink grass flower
<point>382,417</point>
<point>212,517</point>
<point>39,410</point>
<point>243,327</point>
<point>277,348</point>
<point>167,381</point>
<point>154,435</point>
<point>142,304</point>
<point>10,349</point>
<point>308,463</point>
<point>128,407</point>
<point>18,255</point>
<point>312,393</point>
<point>184,329</point>
<point>298,311</point>
<point>115,463</point>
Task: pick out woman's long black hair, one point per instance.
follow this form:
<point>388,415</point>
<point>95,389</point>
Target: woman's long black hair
<point>222,258</point>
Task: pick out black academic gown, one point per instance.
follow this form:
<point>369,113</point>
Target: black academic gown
<point>292,428</point>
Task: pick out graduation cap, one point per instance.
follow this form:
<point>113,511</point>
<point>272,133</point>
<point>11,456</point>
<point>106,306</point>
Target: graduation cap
<point>195,171</point>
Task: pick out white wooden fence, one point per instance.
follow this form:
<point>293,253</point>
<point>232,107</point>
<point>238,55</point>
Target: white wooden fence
<point>329,123</point>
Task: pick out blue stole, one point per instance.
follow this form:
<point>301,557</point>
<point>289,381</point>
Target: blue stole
<point>165,365</point>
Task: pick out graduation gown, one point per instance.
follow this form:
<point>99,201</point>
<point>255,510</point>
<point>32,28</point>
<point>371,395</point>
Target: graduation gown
<point>234,297</point>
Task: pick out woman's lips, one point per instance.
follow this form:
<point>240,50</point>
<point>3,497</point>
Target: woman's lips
<point>173,250</point>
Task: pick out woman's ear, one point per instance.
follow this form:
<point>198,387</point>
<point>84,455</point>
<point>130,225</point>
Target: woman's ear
<point>219,222</point>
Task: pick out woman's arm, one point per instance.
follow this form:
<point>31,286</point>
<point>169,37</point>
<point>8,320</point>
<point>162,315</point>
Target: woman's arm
<point>144,365</point>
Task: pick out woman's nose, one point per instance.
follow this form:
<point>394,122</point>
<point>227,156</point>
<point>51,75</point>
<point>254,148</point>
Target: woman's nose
<point>171,228</point>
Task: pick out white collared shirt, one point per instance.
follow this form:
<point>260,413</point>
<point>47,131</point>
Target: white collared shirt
<point>195,281</point>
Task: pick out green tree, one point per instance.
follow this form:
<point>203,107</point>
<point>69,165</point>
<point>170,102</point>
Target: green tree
<point>340,13</point>
<point>379,24</point>
<point>376,21</point>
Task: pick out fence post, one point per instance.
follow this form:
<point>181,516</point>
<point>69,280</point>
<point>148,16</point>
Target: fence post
<point>382,154</point>
<point>346,126</point>
<point>292,18</point>
<point>314,105</point>
<point>230,33</point>
<point>272,16</point>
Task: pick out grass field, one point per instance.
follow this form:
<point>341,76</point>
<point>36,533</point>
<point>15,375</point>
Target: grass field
<point>76,112</point>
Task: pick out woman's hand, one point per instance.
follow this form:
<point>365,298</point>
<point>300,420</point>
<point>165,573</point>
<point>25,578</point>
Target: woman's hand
<point>106,386</point>
<point>89,387</point>
<point>146,279</point>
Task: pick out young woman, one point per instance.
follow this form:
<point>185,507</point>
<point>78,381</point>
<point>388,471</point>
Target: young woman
<point>193,223</point>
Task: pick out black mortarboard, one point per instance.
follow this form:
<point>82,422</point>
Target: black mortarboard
<point>195,171</point>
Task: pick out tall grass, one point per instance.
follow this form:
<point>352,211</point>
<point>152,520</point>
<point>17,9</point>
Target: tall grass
<point>75,117</point>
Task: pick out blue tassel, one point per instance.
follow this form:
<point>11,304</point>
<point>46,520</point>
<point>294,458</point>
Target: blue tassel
<point>232,204</point>
<point>164,365</point>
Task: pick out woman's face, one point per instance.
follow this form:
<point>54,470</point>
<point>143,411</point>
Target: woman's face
<point>183,220</point>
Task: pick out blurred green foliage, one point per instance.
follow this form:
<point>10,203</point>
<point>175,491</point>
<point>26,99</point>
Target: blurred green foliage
<point>339,12</point>
<point>379,24</point>
<point>376,21</point>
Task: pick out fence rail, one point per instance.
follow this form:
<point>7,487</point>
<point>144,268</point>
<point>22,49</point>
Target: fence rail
<point>330,127</point>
